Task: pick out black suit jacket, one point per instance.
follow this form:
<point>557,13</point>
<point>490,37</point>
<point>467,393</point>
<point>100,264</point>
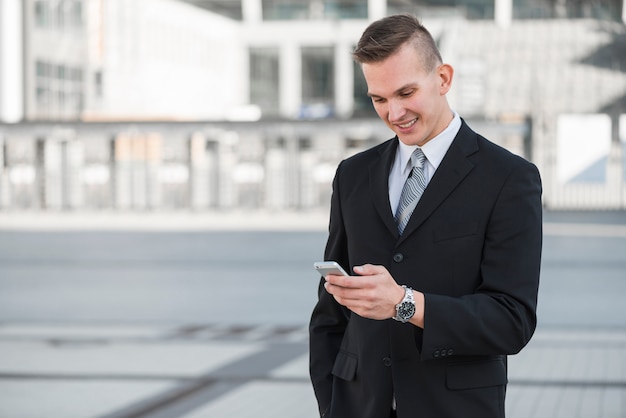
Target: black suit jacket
<point>472,245</point>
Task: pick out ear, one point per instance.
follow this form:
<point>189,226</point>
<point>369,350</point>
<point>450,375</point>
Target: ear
<point>445,73</point>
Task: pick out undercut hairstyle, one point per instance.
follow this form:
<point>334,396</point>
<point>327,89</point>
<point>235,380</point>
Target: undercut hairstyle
<point>384,37</point>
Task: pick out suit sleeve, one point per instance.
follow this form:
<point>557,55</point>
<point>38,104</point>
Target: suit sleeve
<point>500,316</point>
<point>329,319</point>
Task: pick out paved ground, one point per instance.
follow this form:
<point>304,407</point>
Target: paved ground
<point>141,322</point>
<point>260,372</point>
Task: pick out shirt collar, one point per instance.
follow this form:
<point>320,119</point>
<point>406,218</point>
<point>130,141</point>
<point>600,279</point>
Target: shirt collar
<point>435,149</point>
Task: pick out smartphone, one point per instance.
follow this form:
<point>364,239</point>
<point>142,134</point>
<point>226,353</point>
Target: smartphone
<point>329,267</point>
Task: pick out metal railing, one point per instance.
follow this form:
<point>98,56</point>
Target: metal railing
<point>277,165</point>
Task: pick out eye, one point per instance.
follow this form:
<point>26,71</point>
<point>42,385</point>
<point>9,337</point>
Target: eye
<point>407,93</point>
<point>378,100</point>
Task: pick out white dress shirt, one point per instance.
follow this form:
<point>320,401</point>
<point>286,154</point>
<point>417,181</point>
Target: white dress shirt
<point>434,150</point>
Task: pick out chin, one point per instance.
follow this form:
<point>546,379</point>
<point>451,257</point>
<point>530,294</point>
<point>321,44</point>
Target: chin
<point>410,139</point>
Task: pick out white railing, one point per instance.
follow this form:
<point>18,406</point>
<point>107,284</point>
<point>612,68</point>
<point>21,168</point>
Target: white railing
<point>277,166</point>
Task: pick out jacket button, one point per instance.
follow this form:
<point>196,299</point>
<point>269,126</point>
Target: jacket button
<point>436,354</point>
<point>398,257</point>
<point>387,361</point>
<point>450,352</point>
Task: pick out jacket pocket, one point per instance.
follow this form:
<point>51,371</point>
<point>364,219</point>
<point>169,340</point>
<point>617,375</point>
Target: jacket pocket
<point>455,230</point>
<point>476,374</point>
<point>345,366</point>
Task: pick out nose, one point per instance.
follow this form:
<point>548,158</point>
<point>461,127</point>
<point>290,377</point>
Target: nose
<point>396,111</point>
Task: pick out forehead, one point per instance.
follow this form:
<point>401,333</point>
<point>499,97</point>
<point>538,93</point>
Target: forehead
<point>403,68</point>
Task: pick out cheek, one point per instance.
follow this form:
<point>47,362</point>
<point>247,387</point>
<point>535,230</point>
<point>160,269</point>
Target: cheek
<point>424,108</point>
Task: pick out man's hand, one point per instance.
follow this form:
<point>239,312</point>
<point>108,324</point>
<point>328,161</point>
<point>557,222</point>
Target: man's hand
<point>372,294</point>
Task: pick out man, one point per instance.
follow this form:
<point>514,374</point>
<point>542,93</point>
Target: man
<point>468,254</point>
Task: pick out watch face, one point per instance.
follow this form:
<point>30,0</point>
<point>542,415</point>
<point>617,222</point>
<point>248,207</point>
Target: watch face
<point>406,310</point>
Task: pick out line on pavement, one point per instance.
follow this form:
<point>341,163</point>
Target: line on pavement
<point>584,230</point>
<point>191,394</point>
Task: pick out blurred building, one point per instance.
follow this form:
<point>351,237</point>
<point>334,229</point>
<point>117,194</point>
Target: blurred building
<point>116,59</point>
<point>251,103</point>
<point>11,65</point>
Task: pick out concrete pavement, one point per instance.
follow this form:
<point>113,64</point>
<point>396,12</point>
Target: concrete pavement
<point>191,369</point>
<point>205,370</point>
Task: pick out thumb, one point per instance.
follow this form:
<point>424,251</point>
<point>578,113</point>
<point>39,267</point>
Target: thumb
<point>368,270</point>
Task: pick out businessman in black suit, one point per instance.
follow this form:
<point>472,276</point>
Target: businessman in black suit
<point>423,326</point>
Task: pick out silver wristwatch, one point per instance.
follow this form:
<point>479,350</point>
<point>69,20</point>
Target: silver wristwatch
<point>406,308</point>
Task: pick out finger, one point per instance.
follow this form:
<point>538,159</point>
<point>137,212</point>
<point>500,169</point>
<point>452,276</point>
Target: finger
<point>333,279</point>
<point>343,281</point>
<point>350,295</point>
<point>341,294</point>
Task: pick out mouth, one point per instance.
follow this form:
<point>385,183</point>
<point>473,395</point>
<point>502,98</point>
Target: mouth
<point>407,125</point>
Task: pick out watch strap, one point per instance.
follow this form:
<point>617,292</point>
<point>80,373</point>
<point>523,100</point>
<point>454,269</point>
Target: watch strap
<point>408,299</point>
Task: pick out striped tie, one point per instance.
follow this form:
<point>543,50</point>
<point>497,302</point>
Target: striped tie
<point>412,190</point>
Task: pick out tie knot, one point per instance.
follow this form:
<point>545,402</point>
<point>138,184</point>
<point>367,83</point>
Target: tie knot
<point>417,158</point>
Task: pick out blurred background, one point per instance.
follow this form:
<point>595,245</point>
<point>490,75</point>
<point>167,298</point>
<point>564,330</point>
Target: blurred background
<point>221,104</point>
<point>165,176</point>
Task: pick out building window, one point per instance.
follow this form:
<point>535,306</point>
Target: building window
<point>285,9</point>
<point>362,102</point>
<point>65,13</point>
<point>40,69</point>
<point>346,9</point>
<point>60,15</point>
<point>76,13</point>
<point>59,89</point>
<point>314,9</point>
<point>42,14</point>
<point>318,82</point>
<point>61,72</point>
<point>471,9</point>
<point>264,83</point>
<point>42,85</point>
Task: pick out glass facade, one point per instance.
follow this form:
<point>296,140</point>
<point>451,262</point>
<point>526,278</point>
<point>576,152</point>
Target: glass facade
<point>318,82</point>
<point>567,9</point>
<point>357,9</point>
<point>264,80</point>
<point>58,89</point>
<point>362,102</point>
<point>58,14</point>
<point>314,9</point>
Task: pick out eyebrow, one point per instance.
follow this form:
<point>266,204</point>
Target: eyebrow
<point>398,91</point>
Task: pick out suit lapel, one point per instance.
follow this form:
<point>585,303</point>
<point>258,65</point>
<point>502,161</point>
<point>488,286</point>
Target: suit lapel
<point>379,184</point>
<point>453,168</point>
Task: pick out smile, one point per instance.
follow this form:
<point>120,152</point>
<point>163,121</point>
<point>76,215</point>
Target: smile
<point>408,124</point>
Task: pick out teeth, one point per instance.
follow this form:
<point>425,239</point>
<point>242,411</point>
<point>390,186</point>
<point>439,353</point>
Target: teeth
<point>407,125</point>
